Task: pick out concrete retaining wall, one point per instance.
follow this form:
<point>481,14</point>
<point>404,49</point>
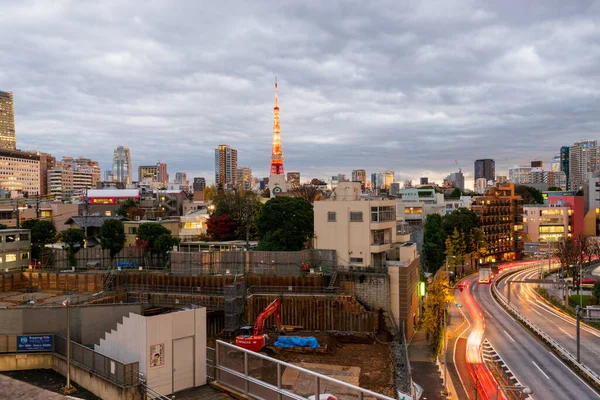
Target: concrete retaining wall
<point>18,362</point>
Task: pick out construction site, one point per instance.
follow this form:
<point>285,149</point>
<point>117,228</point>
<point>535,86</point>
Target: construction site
<point>347,315</point>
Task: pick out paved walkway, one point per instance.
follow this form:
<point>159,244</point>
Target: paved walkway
<point>424,371</point>
<point>15,389</point>
<point>204,392</point>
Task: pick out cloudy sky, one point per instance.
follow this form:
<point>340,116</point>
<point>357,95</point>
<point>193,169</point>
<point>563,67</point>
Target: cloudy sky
<point>410,86</point>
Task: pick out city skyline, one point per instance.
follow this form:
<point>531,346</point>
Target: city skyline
<point>382,86</point>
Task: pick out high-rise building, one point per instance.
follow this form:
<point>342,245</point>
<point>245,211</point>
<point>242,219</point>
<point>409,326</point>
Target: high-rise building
<point>244,178</point>
<point>424,180</point>
<point>276,177</point>
<point>555,165</point>
<point>20,171</point>
<point>457,180</point>
<point>47,162</point>
<point>519,175</point>
<point>226,165</point>
<point>199,184</point>
<point>109,175</point>
<point>583,159</point>
<point>66,183</point>
<point>148,173</point>
<point>293,179</point>
<point>359,175</point>
<point>388,179</point>
<point>82,163</point>
<point>8,138</point>
<point>121,166</point>
<point>163,175</point>
<point>485,169</point>
<point>564,163</point>
<point>181,178</point>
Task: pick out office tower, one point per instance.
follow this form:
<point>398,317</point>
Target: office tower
<point>555,165</point>
<point>109,175</point>
<point>226,165</point>
<point>122,165</point>
<point>293,179</point>
<point>163,175</point>
<point>8,139</point>
<point>374,181</point>
<point>583,159</point>
<point>359,175</point>
<point>47,162</point>
<point>199,184</point>
<point>20,171</point>
<point>485,169</point>
<point>564,163</point>
<point>458,180</point>
<point>519,175</point>
<point>244,178</point>
<point>181,178</point>
<point>388,179</point>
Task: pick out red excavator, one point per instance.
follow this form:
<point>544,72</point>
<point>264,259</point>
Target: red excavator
<point>253,338</point>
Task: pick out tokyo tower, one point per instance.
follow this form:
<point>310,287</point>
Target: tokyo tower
<point>276,155</point>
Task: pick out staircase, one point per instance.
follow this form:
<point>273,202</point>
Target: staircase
<point>108,280</point>
<point>333,279</point>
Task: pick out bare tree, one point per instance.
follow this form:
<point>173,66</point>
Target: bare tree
<point>307,192</point>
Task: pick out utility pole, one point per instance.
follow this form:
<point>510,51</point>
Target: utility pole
<point>578,317</point>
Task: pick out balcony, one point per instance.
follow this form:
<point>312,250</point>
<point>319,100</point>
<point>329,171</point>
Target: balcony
<point>378,246</point>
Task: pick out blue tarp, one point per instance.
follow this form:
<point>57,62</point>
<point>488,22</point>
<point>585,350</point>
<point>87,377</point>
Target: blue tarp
<point>291,341</point>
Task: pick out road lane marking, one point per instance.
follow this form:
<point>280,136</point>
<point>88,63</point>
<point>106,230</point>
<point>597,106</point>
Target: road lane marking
<point>487,312</point>
<point>538,367</point>
<point>574,374</point>
<point>559,316</point>
<point>536,311</point>
<point>566,333</point>
<point>508,335</point>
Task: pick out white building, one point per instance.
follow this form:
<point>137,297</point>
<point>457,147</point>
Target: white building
<point>20,171</point>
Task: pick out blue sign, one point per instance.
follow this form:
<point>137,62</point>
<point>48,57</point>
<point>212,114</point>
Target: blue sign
<point>35,343</point>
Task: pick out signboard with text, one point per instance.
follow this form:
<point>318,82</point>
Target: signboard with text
<point>35,343</point>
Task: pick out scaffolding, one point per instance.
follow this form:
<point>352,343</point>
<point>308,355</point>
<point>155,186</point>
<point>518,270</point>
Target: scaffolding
<point>235,307</point>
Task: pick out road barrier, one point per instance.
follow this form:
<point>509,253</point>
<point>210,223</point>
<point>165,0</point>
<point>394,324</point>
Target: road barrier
<point>582,369</point>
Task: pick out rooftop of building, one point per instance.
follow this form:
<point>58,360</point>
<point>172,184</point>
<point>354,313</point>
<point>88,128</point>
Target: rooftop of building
<point>108,193</point>
<point>91,221</point>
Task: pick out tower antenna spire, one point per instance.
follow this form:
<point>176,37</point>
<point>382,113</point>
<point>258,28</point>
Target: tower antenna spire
<point>276,154</point>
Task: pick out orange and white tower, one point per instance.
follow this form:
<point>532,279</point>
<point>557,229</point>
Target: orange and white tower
<point>277,182</point>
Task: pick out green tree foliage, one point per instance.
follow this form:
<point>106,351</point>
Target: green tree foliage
<point>596,292</point>
<point>554,189</point>
<point>456,192</point>
<point>42,233</point>
<point>125,206</point>
<point>73,240</point>
<point>463,220</point>
<point>438,297</point>
<point>209,193</point>
<point>112,236</point>
<point>433,243</point>
<point>242,207</point>
<point>529,194</point>
<point>456,249</point>
<point>266,193</point>
<point>155,239</point>
<point>285,224</point>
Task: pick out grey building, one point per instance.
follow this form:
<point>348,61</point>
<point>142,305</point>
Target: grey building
<point>121,166</point>
<point>199,184</point>
<point>15,249</point>
<point>486,169</point>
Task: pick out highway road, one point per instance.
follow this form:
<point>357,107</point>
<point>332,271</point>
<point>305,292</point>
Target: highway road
<point>558,326</point>
<point>530,361</point>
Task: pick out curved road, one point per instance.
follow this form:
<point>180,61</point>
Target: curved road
<point>529,360</point>
<point>557,325</point>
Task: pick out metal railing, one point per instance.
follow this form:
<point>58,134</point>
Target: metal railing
<point>295,290</point>
<point>252,374</point>
<point>176,289</point>
<point>150,393</point>
<point>115,371</point>
<point>587,373</point>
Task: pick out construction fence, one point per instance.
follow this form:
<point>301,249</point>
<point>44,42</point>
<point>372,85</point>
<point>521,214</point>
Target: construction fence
<point>278,263</point>
<point>96,257</point>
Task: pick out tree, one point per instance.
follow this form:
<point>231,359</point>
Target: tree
<point>285,224</point>
<point>465,221</point>
<point>456,192</point>
<point>112,236</point>
<point>569,254</point>
<point>529,194</point>
<point>163,244</point>
<point>554,189</point>
<point>266,193</point>
<point>433,243</point>
<point>42,233</point>
<point>456,249</point>
<point>150,237</point>
<point>209,193</point>
<point>596,292</point>
<point>73,240</point>
<point>438,297</point>
<point>307,192</point>
<point>2,226</point>
<point>125,206</point>
<point>221,227</point>
<point>318,182</point>
<point>242,207</point>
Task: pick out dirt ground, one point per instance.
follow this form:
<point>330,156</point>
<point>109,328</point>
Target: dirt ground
<point>49,380</point>
<point>372,357</point>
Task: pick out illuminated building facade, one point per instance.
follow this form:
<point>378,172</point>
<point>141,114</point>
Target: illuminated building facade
<point>8,139</point>
<point>500,213</point>
<point>226,166</point>
<point>20,171</point>
<point>293,179</point>
<point>121,166</point>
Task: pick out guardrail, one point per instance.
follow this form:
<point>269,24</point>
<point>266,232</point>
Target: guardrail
<point>252,374</point>
<point>586,372</point>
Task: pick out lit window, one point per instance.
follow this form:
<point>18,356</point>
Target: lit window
<point>11,257</point>
<point>107,213</point>
<point>25,256</point>
<point>11,238</point>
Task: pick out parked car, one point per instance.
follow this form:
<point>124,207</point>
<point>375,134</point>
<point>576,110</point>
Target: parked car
<point>126,264</point>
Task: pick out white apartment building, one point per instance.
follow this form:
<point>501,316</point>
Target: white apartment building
<point>20,171</point>
<point>67,183</point>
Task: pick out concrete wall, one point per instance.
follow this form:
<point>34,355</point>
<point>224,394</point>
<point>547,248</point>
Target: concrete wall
<point>88,323</point>
<point>127,342</point>
<point>18,362</point>
<point>404,300</point>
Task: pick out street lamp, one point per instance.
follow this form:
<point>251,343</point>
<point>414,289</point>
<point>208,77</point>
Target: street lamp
<point>68,388</point>
<point>520,389</point>
<point>445,335</point>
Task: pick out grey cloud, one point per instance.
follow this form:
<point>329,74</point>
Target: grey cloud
<point>409,86</point>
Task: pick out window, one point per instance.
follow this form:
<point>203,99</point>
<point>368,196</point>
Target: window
<point>331,216</point>
<point>133,231</point>
<point>356,260</point>
<point>107,213</point>
<point>24,236</point>
<point>24,256</point>
<point>11,238</point>
<point>11,257</point>
<point>356,216</point>
<point>45,214</point>
<point>383,213</point>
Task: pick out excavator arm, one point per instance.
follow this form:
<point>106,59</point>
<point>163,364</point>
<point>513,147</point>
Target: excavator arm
<point>274,307</point>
